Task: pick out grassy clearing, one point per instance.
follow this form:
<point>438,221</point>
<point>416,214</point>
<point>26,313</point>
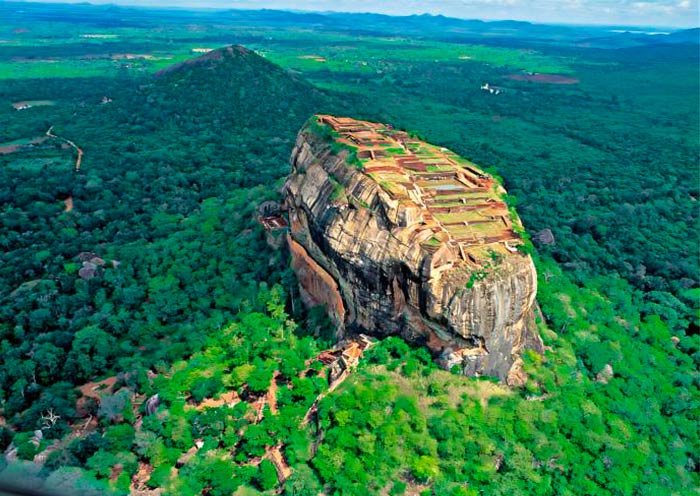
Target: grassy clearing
<point>475,229</point>
<point>446,388</point>
<point>370,57</point>
<point>433,242</point>
<point>436,168</point>
<point>459,203</point>
<point>67,68</point>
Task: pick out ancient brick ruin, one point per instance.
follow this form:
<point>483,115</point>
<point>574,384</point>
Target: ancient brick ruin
<point>457,202</point>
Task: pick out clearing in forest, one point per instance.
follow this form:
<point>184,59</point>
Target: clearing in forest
<point>315,58</point>
<point>18,145</point>
<point>25,104</point>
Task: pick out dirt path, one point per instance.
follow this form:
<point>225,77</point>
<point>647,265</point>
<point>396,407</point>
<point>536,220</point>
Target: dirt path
<point>314,407</point>
<point>68,203</point>
<point>351,356</point>
<point>139,480</point>
<point>272,394</point>
<point>284,471</point>
<point>230,398</point>
<point>272,453</point>
<point>69,142</point>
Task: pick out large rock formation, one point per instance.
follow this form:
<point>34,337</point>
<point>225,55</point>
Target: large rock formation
<point>399,237</point>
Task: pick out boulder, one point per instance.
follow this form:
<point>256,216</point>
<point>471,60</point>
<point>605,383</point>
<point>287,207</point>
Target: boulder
<point>605,374</point>
<point>88,270</point>
<point>544,237</point>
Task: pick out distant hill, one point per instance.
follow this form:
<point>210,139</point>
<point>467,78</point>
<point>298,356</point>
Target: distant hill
<point>236,87</point>
<point>685,36</point>
<point>223,98</point>
<point>628,39</point>
<point>425,25</point>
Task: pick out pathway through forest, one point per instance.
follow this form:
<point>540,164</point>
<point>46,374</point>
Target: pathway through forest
<point>274,453</point>
<point>69,142</point>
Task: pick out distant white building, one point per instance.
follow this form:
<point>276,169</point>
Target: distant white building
<point>494,90</point>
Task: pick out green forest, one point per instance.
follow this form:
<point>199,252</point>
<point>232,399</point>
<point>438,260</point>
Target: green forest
<point>151,330</point>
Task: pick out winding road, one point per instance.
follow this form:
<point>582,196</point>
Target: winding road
<point>78,160</point>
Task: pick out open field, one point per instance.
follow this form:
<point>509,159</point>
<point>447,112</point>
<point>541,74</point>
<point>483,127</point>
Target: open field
<point>84,54</point>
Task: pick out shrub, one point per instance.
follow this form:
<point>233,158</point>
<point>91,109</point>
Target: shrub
<point>266,478</point>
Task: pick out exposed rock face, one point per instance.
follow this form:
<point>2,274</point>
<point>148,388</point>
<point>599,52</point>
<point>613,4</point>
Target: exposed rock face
<point>410,240</point>
<point>605,374</point>
<point>88,270</point>
<point>544,237</point>
<point>318,286</point>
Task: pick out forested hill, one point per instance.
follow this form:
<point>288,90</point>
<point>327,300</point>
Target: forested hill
<point>236,88</point>
<point>232,104</point>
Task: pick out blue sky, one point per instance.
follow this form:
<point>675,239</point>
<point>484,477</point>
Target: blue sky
<point>663,13</point>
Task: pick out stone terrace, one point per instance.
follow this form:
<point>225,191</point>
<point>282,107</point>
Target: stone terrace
<point>459,203</point>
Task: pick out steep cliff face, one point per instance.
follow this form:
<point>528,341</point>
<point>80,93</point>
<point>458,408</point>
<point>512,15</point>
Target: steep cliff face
<point>398,237</point>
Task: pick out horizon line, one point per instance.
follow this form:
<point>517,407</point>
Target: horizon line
<point>340,12</point>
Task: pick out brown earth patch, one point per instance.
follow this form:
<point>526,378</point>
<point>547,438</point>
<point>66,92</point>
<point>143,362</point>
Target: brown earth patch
<point>33,103</point>
<point>544,78</point>
<point>230,398</point>
<point>271,394</point>
<point>139,480</point>
<point>315,58</point>
<point>284,471</point>
<point>92,392</point>
<point>7,149</point>
<point>132,56</point>
<point>96,389</point>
